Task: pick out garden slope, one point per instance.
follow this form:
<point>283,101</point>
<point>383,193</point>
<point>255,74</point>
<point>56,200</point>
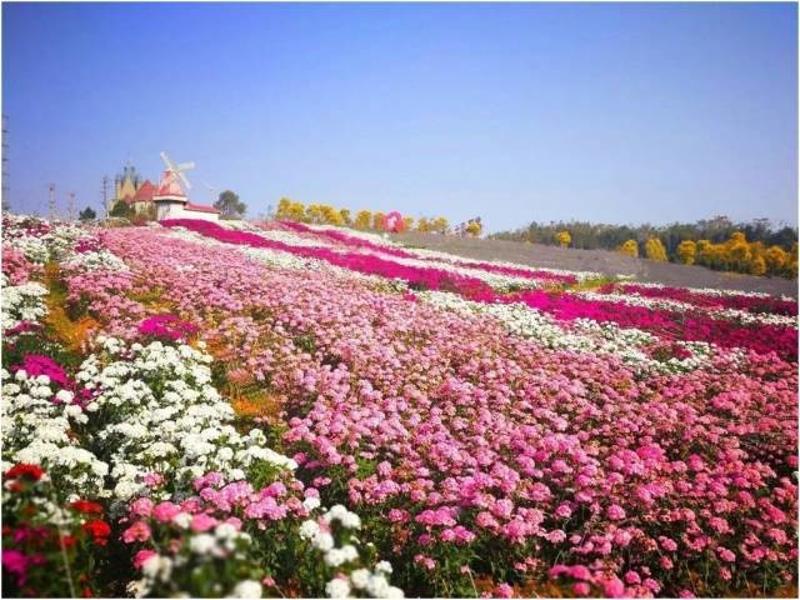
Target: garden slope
<point>602,261</point>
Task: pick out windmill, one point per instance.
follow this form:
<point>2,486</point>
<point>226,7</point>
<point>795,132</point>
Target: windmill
<point>174,171</point>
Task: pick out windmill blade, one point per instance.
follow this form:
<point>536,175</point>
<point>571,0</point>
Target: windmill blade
<point>185,166</point>
<point>167,161</point>
<point>185,181</point>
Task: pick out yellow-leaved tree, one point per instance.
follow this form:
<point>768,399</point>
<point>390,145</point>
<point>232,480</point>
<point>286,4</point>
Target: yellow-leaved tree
<point>687,250</point>
<point>654,250</point>
<point>363,219</point>
<point>440,225</point>
<point>563,238</point>
<point>631,248</point>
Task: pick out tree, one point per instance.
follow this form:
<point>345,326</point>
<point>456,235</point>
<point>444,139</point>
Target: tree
<point>423,225</point>
<point>563,238</point>
<point>474,227</point>
<point>363,219</point>
<point>776,259</point>
<point>378,221</point>
<point>758,266</point>
<point>687,250</point>
<point>631,248</point>
<point>654,250</point>
<point>440,225</point>
<point>230,206</point>
<point>87,214</point>
<point>121,209</point>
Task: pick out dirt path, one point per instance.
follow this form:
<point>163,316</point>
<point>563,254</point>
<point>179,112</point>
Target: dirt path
<point>602,261</point>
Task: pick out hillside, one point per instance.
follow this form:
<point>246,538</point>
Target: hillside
<point>602,261</point>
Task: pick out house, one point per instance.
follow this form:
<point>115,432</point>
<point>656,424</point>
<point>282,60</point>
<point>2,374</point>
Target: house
<point>171,202</point>
<point>166,200</point>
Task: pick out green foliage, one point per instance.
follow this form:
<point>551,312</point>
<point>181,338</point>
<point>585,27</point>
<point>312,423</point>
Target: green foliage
<point>87,214</point>
<point>121,209</point>
<point>229,205</point>
<point>592,236</point>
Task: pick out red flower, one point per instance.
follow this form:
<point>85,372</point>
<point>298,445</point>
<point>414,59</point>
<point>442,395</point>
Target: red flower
<point>99,530</point>
<point>87,507</point>
<point>33,472</point>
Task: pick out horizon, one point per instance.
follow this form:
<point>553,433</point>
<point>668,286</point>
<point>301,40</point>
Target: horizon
<point>615,114</point>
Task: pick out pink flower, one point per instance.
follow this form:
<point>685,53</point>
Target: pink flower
<point>581,589</point>
<point>632,578</point>
<point>164,512</point>
<point>142,556</point>
<point>142,507</point>
<point>726,554</point>
<point>17,563</point>
<point>615,512</point>
<point>564,511</point>
<point>504,591</point>
<point>153,480</point>
<point>138,532</point>
<point>613,588</point>
<point>202,522</point>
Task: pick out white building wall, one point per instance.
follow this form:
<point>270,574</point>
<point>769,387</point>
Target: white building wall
<point>177,210</point>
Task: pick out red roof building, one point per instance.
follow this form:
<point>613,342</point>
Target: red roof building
<point>200,208</point>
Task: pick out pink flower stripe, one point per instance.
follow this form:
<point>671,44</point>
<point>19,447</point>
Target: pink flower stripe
<point>355,242</point>
<point>667,324</point>
<point>739,302</point>
<point>434,279</point>
<point>672,326</point>
<point>346,240</point>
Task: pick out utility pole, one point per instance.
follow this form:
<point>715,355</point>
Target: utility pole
<point>51,204</point>
<point>5,162</point>
<point>71,207</point>
<point>105,195</point>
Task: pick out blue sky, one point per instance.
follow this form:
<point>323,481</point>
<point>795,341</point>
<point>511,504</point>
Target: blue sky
<point>611,112</point>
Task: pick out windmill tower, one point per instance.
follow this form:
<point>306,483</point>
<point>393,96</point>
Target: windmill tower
<point>170,198</point>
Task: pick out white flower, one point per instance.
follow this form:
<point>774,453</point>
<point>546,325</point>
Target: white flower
<point>360,578</point>
<point>337,588</point>
<point>183,520</point>
<point>225,531</point>
<point>246,589</point>
<point>65,396</point>
<point>309,529</point>
<point>202,544</point>
<point>311,503</point>
<point>384,567</point>
<point>323,541</point>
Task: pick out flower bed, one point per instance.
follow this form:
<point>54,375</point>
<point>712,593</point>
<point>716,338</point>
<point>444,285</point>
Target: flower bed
<point>478,444</point>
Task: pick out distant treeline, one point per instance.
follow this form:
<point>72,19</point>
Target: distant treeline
<point>756,247</point>
<point>593,236</point>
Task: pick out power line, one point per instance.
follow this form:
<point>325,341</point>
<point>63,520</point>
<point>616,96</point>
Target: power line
<point>5,161</point>
<point>71,207</point>
<point>104,193</point>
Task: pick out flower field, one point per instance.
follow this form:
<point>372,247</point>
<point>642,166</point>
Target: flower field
<point>289,410</point>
